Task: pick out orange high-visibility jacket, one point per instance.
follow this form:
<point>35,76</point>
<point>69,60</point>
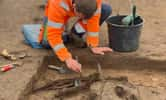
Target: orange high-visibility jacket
<point>58,12</point>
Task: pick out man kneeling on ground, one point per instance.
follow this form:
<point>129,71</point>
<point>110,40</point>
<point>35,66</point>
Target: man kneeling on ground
<point>91,14</point>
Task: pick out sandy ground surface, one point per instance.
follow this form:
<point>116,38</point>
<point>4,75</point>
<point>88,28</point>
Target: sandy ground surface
<point>152,46</point>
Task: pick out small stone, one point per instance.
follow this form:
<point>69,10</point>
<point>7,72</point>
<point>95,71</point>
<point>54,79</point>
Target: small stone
<point>12,57</point>
<point>22,55</point>
<point>5,53</point>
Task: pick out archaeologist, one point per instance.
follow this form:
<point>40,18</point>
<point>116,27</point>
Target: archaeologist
<point>91,14</point>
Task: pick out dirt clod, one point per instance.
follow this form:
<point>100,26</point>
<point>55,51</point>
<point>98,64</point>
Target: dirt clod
<point>132,97</point>
<point>120,92</point>
<point>92,96</point>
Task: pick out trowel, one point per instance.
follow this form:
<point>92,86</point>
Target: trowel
<point>61,70</point>
<point>130,19</point>
<point>77,82</point>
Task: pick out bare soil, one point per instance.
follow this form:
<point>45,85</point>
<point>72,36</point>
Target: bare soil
<point>144,68</point>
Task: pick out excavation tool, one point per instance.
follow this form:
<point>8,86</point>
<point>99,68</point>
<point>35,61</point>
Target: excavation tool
<point>61,70</point>
<point>130,19</point>
<point>7,55</point>
<point>8,67</point>
<point>77,82</point>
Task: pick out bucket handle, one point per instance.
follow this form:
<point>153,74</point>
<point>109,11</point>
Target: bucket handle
<point>131,2</point>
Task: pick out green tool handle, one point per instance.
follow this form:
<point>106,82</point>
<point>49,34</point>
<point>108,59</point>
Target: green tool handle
<point>45,31</point>
<point>134,13</point>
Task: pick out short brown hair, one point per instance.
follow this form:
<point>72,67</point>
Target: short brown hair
<point>86,7</point>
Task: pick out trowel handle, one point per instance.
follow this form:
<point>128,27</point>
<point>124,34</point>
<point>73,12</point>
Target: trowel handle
<point>134,12</point>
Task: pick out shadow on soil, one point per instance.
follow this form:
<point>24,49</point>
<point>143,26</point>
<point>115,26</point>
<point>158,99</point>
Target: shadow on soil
<point>113,61</point>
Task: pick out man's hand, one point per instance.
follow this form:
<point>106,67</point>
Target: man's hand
<point>101,50</point>
<point>73,65</point>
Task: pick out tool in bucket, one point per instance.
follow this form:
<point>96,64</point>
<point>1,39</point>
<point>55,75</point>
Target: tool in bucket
<point>124,36</point>
<point>130,19</point>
